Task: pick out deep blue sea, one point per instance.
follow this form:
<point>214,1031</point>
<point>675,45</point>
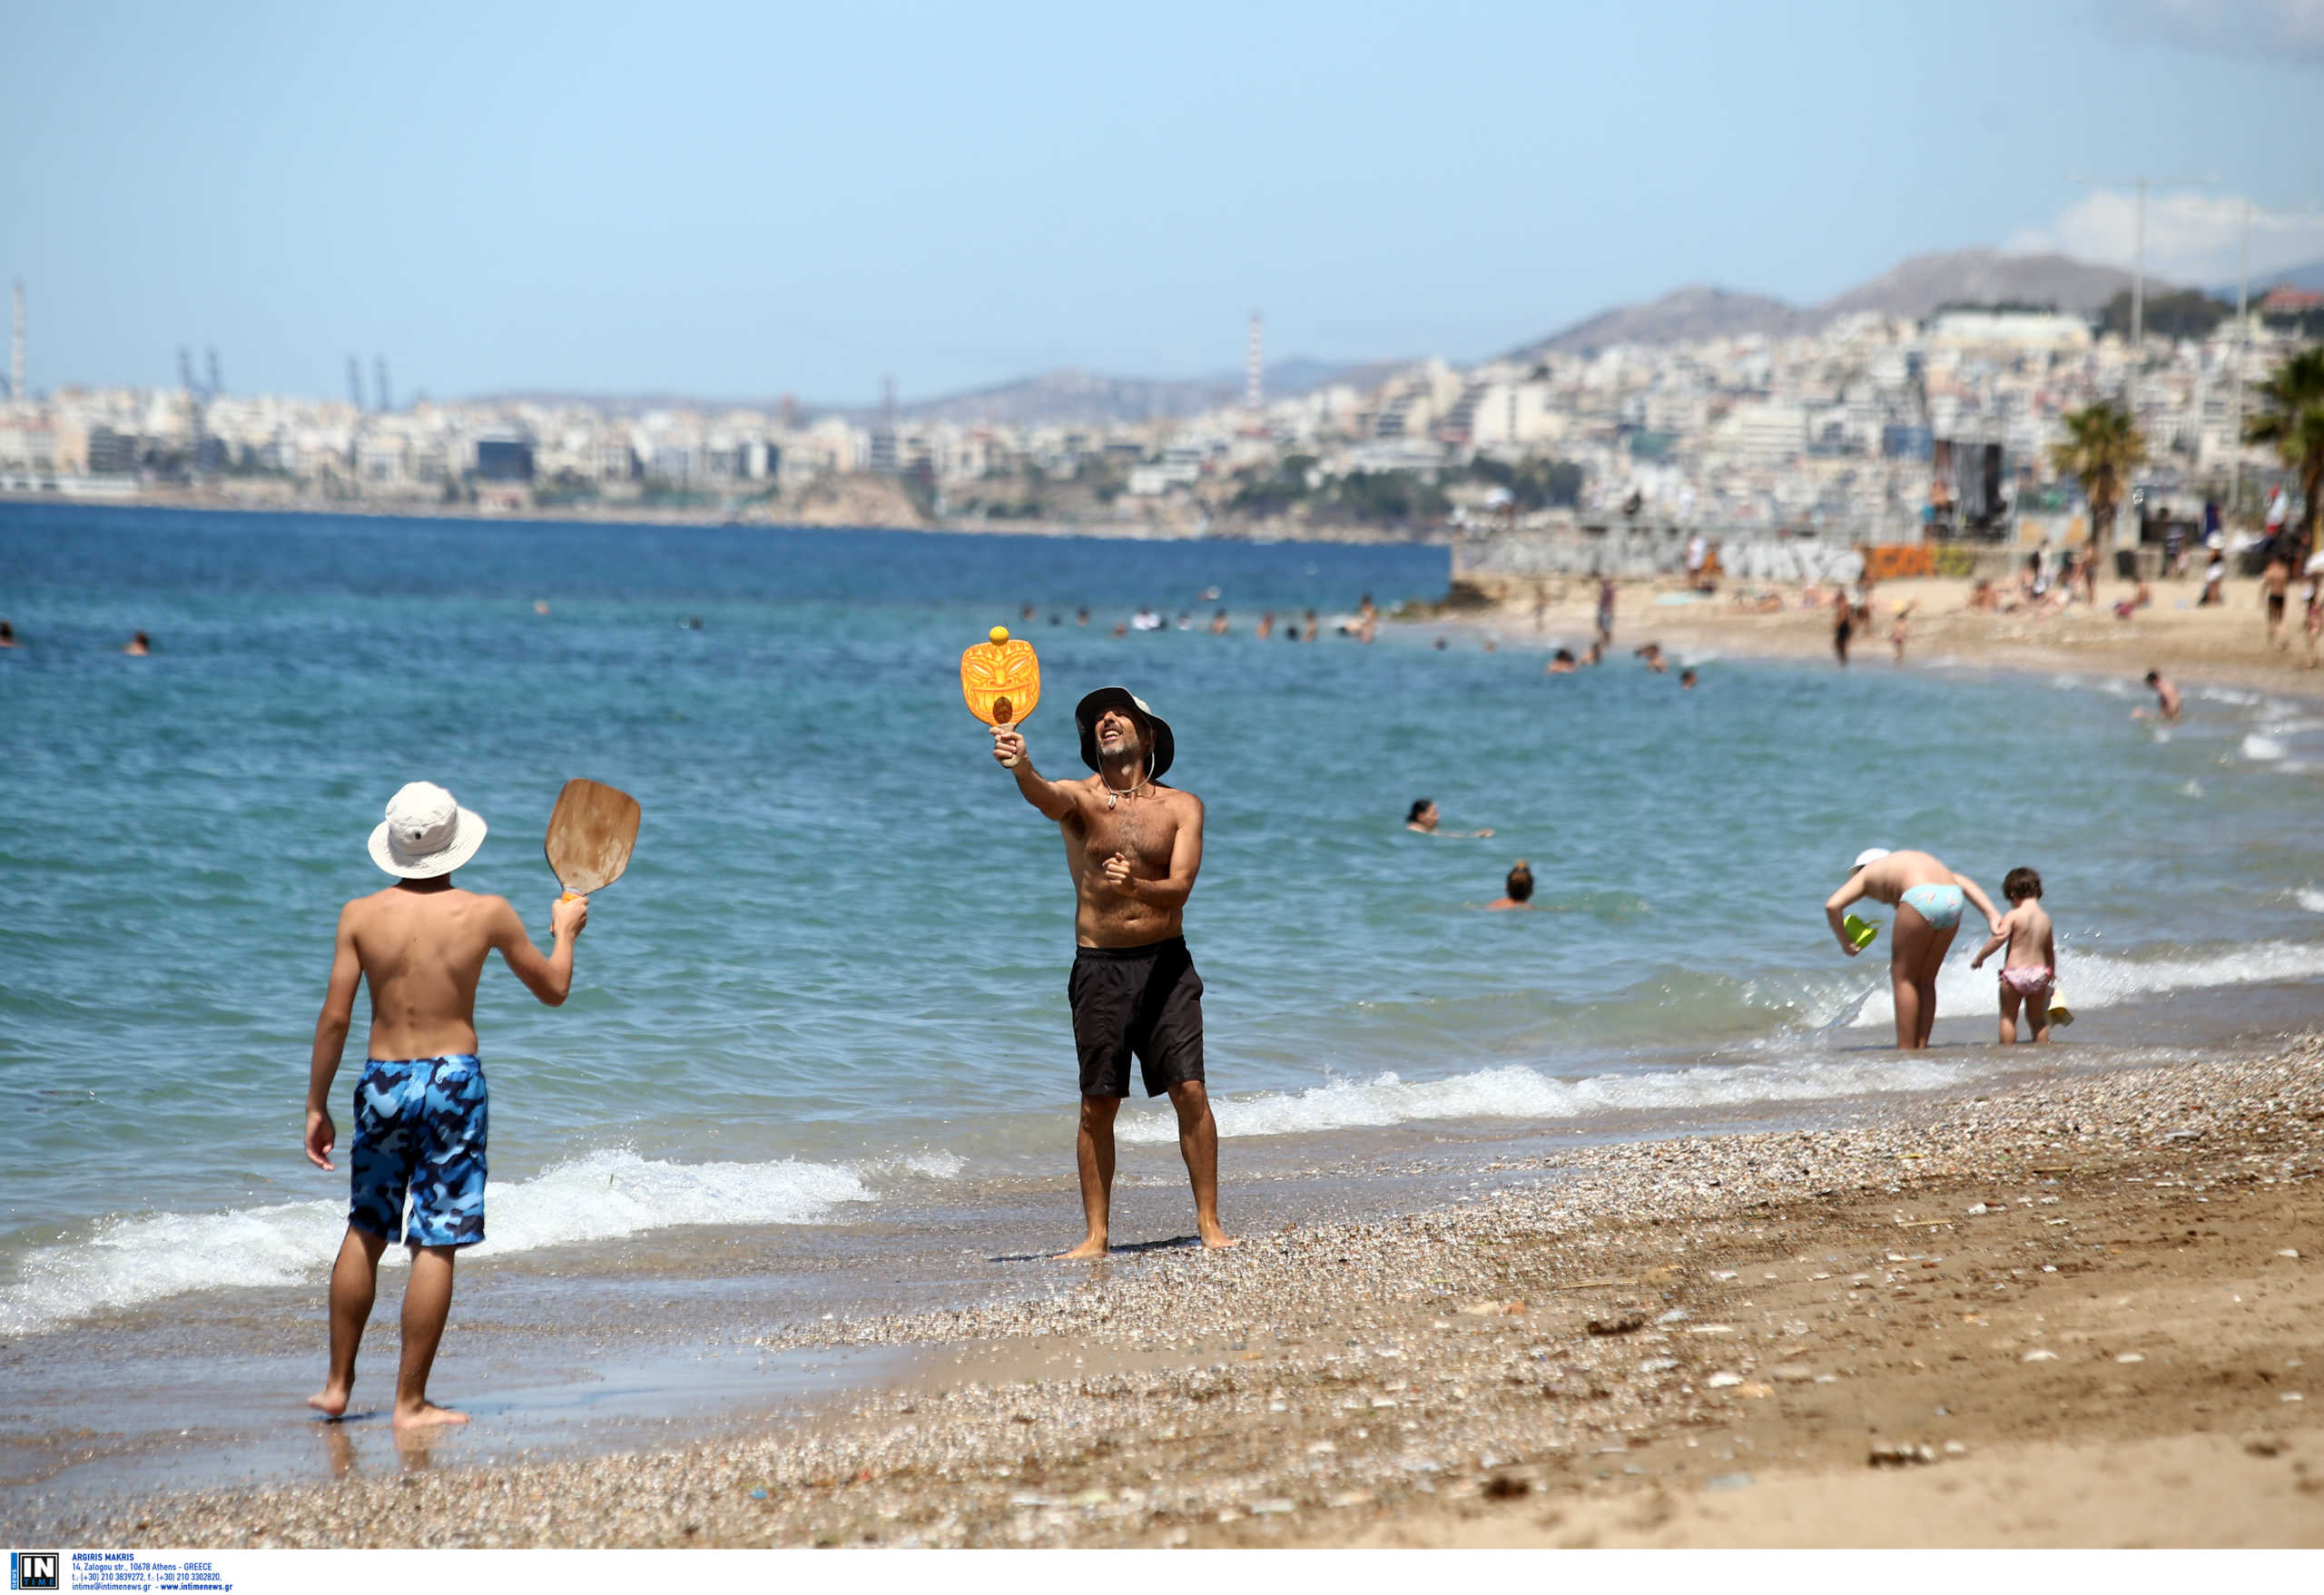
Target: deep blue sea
<point>834,974</point>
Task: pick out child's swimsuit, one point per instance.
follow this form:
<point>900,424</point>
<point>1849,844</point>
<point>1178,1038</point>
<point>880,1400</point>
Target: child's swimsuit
<point>2032,981</point>
<point>1939,905</point>
<point>419,1125</point>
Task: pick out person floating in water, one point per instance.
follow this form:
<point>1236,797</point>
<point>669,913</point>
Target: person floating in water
<point>1517,891</point>
<point>2029,972</point>
<point>419,1107</point>
<point>1653,654</point>
<point>1686,678</point>
<point>138,645</point>
<point>2166,699</point>
<point>1928,898</point>
<point>1424,817</point>
<point>1133,848</point>
<point>8,634</point>
<point>1561,662</point>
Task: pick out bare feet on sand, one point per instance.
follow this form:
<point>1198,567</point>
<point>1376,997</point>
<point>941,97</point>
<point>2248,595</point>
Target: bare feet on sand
<point>1215,1239</point>
<point>330,1401</point>
<point>427,1414</point>
<point>1095,1246</point>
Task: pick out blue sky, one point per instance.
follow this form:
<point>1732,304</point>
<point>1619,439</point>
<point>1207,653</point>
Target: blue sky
<point>747,200</point>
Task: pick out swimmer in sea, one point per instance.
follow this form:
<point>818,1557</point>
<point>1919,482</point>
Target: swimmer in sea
<point>1928,898</point>
<point>1518,888</point>
<point>138,645</point>
<point>1424,819</point>
<point>2166,700</point>
<point>1561,662</point>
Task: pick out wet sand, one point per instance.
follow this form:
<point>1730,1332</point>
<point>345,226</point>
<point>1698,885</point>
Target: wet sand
<point>2222,646</point>
<point>2063,1312</point>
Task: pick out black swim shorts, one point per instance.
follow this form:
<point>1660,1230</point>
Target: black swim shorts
<point>1143,999</point>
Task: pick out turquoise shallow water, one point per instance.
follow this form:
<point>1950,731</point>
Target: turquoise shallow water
<point>836,969</point>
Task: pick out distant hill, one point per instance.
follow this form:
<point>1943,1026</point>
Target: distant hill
<point>1915,288</point>
<point>1686,315</point>
<point>1064,396</point>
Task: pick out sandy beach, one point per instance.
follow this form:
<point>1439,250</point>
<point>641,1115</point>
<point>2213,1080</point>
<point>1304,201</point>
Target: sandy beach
<point>2223,645</point>
<point>2075,1311</point>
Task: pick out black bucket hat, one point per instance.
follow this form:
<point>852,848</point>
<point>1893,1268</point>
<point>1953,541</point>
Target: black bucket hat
<point>1164,746</point>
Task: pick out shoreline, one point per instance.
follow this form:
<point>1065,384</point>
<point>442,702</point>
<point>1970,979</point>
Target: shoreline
<point>2062,1312</point>
<point>2221,647</point>
<point>647,515</point>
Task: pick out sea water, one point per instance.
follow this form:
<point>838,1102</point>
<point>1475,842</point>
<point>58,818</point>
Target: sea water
<point>832,985</point>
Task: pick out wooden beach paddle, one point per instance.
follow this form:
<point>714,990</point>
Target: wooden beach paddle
<point>1000,679</point>
<point>590,833</point>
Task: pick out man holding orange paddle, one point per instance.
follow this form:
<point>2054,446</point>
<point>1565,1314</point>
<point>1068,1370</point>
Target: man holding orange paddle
<point>1133,847</point>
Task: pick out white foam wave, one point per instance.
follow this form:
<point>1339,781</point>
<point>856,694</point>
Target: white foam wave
<point>2262,748</point>
<point>2091,981</point>
<point>2310,898</point>
<point>2225,695</point>
<point>601,1195</point>
<point>1514,1091</point>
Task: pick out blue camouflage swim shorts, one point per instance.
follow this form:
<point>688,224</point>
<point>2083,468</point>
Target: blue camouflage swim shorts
<point>420,1128</point>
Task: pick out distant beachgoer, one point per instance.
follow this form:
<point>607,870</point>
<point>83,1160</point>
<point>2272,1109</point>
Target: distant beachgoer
<point>1518,888</point>
<point>2214,581</point>
<point>1081,615</point>
<point>1561,662</point>
<point>1055,619</point>
<point>1133,848</point>
<point>1424,817</point>
<point>1653,654</point>
<point>540,606</point>
<point>2166,699</point>
<point>420,946</point>
<point>138,645</point>
<point>1218,624</point>
<point>1185,620</point>
<point>1493,645</point>
<point>1843,628</point>
<point>1897,631</point>
<point>1026,612</point>
<point>1606,613</point>
<point>1687,677</point>
<point>2275,586</point>
<point>1121,628</point>
<point>1981,597</point>
<point>1267,625</point>
<point>2312,604</point>
<point>2175,543</point>
<point>1440,645</point>
<point>2030,971</point>
<point>1314,627</point>
<point>8,634</point>
<point>1146,619</point>
<point>1596,656</point>
<point>1928,897</point>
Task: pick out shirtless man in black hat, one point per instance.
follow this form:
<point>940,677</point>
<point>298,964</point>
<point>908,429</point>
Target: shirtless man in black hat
<point>1133,847</point>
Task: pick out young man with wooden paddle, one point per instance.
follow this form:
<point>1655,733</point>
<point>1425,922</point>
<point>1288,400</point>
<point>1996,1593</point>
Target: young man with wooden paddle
<point>1133,847</point>
<point>419,1107</point>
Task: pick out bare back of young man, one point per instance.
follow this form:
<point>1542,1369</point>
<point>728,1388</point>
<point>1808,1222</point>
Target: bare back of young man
<point>420,946</point>
<point>1927,897</point>
<point>1133,848</point>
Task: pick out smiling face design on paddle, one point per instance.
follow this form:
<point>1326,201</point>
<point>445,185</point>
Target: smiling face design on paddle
<point>1001,681</point>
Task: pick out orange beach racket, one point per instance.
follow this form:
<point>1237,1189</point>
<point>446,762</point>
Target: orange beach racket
<point>1002,679</point>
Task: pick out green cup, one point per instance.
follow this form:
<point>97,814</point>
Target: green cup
<point>1860,933</point>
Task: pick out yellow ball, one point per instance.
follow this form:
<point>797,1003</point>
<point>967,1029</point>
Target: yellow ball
<point>1000,634</point>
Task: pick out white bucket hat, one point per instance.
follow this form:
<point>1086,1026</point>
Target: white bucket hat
<point>1869,855</point>
<point>425,833</point>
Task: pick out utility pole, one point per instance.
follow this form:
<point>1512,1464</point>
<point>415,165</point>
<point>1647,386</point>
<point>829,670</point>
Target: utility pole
<point>2138,268</point>
<point>355,383</point>
<point>16,351</point>
<point>2243,339</point>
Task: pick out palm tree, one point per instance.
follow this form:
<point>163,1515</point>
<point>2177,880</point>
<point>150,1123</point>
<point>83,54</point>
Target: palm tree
<point>2101,445</point>
<point>2292,419</point>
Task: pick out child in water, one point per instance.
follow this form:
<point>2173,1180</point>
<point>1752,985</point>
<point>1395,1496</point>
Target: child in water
<point>2029,974</point>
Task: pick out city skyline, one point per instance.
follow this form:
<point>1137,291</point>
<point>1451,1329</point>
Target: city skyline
<point>502,202</point>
